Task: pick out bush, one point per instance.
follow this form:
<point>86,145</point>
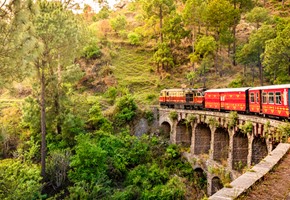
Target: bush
<point>57,167</point>
<point>19,180</point>
<point>134,38</point>
<point>89,162</point>
<point>91,51</point>
<point>126,109</point>
<point>173,115</point>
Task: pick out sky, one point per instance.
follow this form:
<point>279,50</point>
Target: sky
<point>94,4</point>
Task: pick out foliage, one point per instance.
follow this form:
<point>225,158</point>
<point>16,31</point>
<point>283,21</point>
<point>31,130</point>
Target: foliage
<point>10,130</point>
<point>96,119</point>
<point>57,167</point>
<point>16,41</point>
<point>226,17</point>
<point>89,162</point>
<point>276,56</point>
<point>190,118</point>
<point>111,94</point>
<point>222,173</point>
<point>212,121</point>
<point>134,38</point>
<point>19,180</point>
<point>88,190</point>
<point>205,46</point>
<point>119,23</point>
<point>172,151</point>
<point>91,51</point>
<point>284,130</point>
<point>173,115</point>
<point>125,109</point>
<point>258,15</point>
<point>233,119</point>
<point>149,115</point>
<point>247,127</point>
<point>173,28</point>
<point>237,82</point>
<point>163,56</point>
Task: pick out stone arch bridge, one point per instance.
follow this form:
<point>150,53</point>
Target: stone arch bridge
<point>218,147</point>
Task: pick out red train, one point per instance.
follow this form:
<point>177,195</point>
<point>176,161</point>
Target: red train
<point>273,100</point>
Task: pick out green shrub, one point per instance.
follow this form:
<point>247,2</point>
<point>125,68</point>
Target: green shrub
<point>91,51</point>
<point>247,127</point>
<point>233,119</point>
<point>19,180</point>
<point>134,38</point>
<point>173,189</point>
<point>89,162</point>
<point>125,109</point>
<point>149,115</point>
<point>173,115</point>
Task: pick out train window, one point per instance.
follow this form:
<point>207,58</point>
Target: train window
<point>167,93</point>
<point>257,97</point>
<point>198,94</point>
<point>252,97</point>
<point>264,97</point>
<point>271,97</point>
<point>278,98</point>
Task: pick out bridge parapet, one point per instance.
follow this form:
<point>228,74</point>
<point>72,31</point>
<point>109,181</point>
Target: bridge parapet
<point>229,146</point>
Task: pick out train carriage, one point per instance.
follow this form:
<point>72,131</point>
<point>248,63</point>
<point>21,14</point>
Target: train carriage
<point>271,100</point>
<point>230,99</point>
<point>183,98</point>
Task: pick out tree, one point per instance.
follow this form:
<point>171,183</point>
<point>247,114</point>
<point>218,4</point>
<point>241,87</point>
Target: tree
<point>258,15</point>
<point>16,41</point>
<point>158,9</point>
<point>277,56</point>
<point>58,35</point>
<point>204,54</point>
<point>119,23</point>
<point>240,6</point>
<point>251,53</point>
<point>193,17</point>
<point>163,57</point>
<point>173,28</point>
<point>220,16</point>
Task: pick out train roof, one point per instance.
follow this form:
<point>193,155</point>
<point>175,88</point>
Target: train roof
<point>182,89</point>
<point>229,89</point>
<point>271,87</point>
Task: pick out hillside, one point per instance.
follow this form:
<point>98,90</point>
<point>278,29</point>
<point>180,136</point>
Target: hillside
<point>74,86</point>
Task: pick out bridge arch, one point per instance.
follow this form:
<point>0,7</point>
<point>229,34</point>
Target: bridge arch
<point>221,144</point>
<point>259,150</point>
<point>240,150</point>
<point>202,139</point>
<point>216,184</point>
<point>200,176</point>
<point>165,129</point>
<point>183,133</point>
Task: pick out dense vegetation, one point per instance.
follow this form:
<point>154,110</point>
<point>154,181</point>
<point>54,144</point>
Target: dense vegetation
<point>73,85</point>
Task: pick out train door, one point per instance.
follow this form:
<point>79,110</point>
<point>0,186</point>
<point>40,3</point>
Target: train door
<point>222,101</point>
<point>259,99</point>
<point>189,97</point>
<point>288,100</point>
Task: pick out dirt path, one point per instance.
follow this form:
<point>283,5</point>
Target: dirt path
<point>276,184</point>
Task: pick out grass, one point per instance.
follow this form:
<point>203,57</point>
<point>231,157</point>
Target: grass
<point>133,70</point>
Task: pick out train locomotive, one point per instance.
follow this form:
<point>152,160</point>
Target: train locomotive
<point>272,100</point>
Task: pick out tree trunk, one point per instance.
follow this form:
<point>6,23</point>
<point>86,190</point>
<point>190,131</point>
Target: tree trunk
<point>260,72</point>
<point>43,124</point>
<point>234,46</point>
<point>57,98</point>
<point>160,23</point>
